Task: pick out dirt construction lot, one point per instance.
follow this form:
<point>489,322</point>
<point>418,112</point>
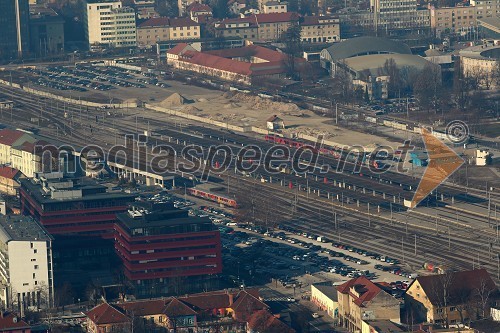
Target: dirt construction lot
<point>232,108</point>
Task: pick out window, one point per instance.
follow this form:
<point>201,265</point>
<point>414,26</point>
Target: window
<point>439,310</point>
<point>31,244</point>
<point>33,260</point>
<point>25,284</point>
<point>36,266</point>
<point>34,276</point>
<point>453,308</point>
<point>35,251</point>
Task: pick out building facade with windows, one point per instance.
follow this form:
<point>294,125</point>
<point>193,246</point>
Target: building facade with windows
<point>163,29</point>
<point>109,24</point>
<point>320,29</point>
<point>360,299</point>
<point>486,8</point>
<point>26,267</point>
<point>46,31</point>
<point>157,242</point>
<point>453,20</point>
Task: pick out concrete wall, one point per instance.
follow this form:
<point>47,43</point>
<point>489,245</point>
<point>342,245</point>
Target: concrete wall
<point>66,99</point>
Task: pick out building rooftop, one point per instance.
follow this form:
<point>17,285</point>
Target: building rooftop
<point>327,289</point>
<point>361,289</point>
<point>481,52</point>
<point>374,62</point>
<point>20,227</point>
<point>8,172</point>
<point>54,187</point>
<point>140,216</point>
<point>385,326</point>
<point>366,45</point>
<point>168,22</point>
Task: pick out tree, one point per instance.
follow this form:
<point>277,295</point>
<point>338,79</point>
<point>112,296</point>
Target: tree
<point>167,8</point>
<point>219,8</point>
<point>483,293</point>
<point>495,73</point>
<point>441,293</point>
<point>293,45</point>
<point>427,87</point>
<point>391,69</point>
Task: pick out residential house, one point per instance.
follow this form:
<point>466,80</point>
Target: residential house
<point>320,29</point>
<point>8,180</point>
<point>9,137</point>
<point>360,299</point>
<point>271,26</point>
<point>106,318</point>
<point>163,29</point>
<point>245,27</point>
<point>236,6</point>
<point>228,310</point>
<point>274,7</point>
<point>451,298</point>
<point>11,323</point>
<point>264,321</point>
<point>199,12</point>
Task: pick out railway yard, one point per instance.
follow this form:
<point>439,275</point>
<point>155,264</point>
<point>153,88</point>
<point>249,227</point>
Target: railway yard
<point>350,204</point>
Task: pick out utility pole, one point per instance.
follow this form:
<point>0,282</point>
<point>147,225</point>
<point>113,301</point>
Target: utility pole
<point>415,244</point>
<point>402,248</point>
<point>369,219</point>
<point>449,239</point>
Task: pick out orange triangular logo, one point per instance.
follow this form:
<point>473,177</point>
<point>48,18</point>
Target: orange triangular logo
<point>443,162</point>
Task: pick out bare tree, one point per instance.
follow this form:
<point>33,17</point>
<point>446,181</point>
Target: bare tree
<point>441,293</point>
<point>483,293</point>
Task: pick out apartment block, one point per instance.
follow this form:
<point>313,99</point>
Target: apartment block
<point>109,24</point>
<point>453,20</point>
<point>486,8</point>
<point>163,29</point>
<point>25,263</point>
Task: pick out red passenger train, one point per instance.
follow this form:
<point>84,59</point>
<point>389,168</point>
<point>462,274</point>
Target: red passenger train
<point>212,197</point>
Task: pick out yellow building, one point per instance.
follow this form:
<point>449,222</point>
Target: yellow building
<point>482,63</point>
<point>458,20</point>
<point>162,29</point>
<point>324,296</point>
<point>320,29</point>
<point>360,299</point>
<point>272,26</point>
<point>8,180</point>
<point>451,298</point>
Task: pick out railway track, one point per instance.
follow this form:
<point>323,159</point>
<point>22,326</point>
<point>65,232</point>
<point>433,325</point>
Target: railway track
<point>452,243</point>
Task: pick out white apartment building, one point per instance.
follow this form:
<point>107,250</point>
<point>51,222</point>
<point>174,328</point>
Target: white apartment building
<point>109,24</point>
<point>486,8</point>
<point>398,15</point>
<point>26,275</point>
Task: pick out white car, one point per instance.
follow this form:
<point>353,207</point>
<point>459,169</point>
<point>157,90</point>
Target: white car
<point>315,315</point>
<point>291,299</point>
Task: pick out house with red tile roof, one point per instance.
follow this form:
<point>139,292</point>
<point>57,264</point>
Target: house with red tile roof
<point>8,138</point>
<point>198,10</point>
<point>8,180</point>
<point>241,65</point>
<point>360,299</point>
<point>10,322</point>
<point>107,318</point>
<point>452,298</point>
<point>226,308</point>
<point>264,321</point>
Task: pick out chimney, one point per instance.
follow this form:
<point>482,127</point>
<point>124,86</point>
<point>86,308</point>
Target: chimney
<point>231,298</point>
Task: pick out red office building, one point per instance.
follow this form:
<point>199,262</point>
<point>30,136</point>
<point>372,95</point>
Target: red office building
<point>158,242</point>
<point>69,206</point>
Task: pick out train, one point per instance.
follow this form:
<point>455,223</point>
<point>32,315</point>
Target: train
<point>212,197</point>
<point>335,152</point>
